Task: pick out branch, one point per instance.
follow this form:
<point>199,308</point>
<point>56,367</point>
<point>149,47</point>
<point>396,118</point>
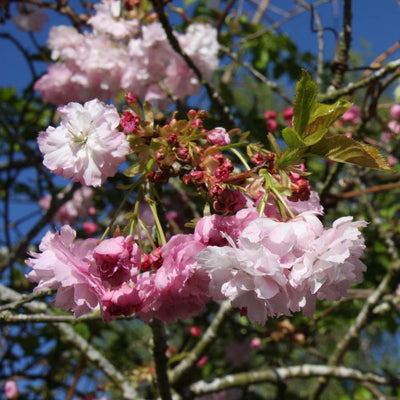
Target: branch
<point>212,93</point>
<point>342,56</point>
<point>270,84</point>
<point>160,358</point>
<point>69,335</point>
<point>20,248</point>
<point>333,95</point>
<point>189,362</point>
<point>277,375</point>
<point>355,329</point>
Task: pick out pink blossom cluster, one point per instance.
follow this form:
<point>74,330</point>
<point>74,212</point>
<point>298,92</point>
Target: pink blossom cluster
<point>86,146</point>
<point>353,115</point>
<point>80,206</point>
<point>271,120</point>
<point>30,18</point>
<point>275,267</point>
<point>125,53</point>
<point>266,267</point>
<point>109,274</point>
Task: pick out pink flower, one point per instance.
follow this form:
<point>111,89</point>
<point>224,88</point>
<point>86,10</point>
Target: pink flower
<point>11,389</point>
<point>212,230</point>
<point>86,146</point>
<point>394,126</point>
<point>219,136</point>
<point>78,207</point>
<point>392,161</point>
<point>250,277</point>
<point>108,20</point>
<point>90,228</point>
<point>331,264</point>
<point>195,331</point>
<point>202,362</point>
<point>277,267</point>
<point>353,114</point>
<point>288,115</point>
<point>64,265</point>
<point>117,260</point>
<point>272,125</point>
<point>255,343</point>
<point>297,207</point>
<point>201,45</point>
<point>122,301</point>
<point>30,18</point>
<point>395,111</point>
<point>270,120</point>
<point>269,114</point>
<point>177,289</point>
<point>56,86</point>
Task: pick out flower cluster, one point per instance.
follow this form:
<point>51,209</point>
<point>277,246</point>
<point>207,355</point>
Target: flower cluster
<point>111,274</point>
<point>80,206</point>
<point>128,52</point>
<point>260,243</point>
<point>265,267</point>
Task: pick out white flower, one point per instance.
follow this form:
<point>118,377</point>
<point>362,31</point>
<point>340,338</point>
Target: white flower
<point>86,146</point>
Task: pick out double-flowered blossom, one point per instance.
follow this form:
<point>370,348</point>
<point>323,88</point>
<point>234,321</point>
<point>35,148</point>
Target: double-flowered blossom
<point>63,264</point>
<point>80,206</point>
<point>108,20</point>
<point>178,289</point>
<point>86,146</point>
<point>127,53</point>
<point>117,261</point>
<point>276,267</point>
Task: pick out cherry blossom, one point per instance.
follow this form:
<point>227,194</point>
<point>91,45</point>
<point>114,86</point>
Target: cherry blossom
<point>11,389</point>
<point>63,264</point>
<point>177,289</point>
<point>86,146</point>
<point>108,20</point>
<point>31,18</point>
<point>80,206</point>
<point>117,261</point>
<point>276,267</point>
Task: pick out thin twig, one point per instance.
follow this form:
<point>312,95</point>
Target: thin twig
<point>211,91</point>
<point>270,84</point>
<point>180,371</point>
<point>69,335</point>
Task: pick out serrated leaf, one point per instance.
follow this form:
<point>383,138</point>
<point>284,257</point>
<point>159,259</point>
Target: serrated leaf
<point>306,96</point>
<point>292,138</point>
<point>347,150</point>
<point>322,117</point>
<point>290,157</point>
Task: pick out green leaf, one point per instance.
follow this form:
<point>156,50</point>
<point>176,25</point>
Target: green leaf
<point>347,150</point>
<point>306,96</point>
<point>322,117</point>
<point>135,169</point>
<point>292,138</point>
<point>290,157</point>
